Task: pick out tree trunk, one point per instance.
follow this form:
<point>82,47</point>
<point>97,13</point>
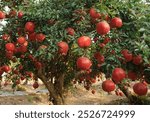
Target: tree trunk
<point>133,99</point>
<point>55,89</point>
<point>59,87</point>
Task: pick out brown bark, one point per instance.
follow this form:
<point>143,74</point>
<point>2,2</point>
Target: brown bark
<point>55,89</point>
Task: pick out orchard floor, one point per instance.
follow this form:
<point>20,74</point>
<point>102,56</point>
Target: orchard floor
<point>77,96</point>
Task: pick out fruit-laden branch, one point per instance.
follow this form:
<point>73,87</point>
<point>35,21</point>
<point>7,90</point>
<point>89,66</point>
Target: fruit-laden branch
<point>136,100</point>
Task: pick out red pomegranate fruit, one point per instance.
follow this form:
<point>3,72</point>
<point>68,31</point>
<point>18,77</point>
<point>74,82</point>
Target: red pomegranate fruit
<point>137,60</point>
<point>108,86</point>
<point>35,85</point>
<point>10,47</point>
<point>2,15</point>
<point>116,22</point>
<point>140,89</point>
<point>94,14</point>
<point>32,36</point>
<point>70,31</point>
<point>30,26</point>
<point>40,37</point>
<point>20,14</point>
<point>127,55</point>
<point>118,75</point>
<point>21,40</point>
<point>63,47</point>
<point>102,28</point>
<point>84,63</point>
<point>84,41</point>
<point>6,68</point>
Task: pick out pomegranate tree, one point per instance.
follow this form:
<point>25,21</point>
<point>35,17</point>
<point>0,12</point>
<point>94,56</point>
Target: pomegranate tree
<point>75,43</point>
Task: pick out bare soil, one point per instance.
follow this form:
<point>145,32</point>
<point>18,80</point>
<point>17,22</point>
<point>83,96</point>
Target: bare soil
<point>77,96</point>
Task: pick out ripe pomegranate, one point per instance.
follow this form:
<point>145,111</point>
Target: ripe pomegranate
<point>30,26</point>
<point>102,28</point>
<point>84,41</point>
<point>10,47</point>
<point>137,60</point>
<point>40,37</point>
<point>140,89</point>
<point>132,75</point>
<point>5,37</point>
<point>6,68</point>
<point>101,59</point>
<point>21,40</point>
<point>118,75</point>
<point>83,63</point>
<point>32,36</point>
<point>2,15</point>
<point>94,14</point>
<point>70,31</point>
<point>108,86</point>
<point>20,14</point>
<point>124,51</point>
<point>116,22</point>
<point>63,47</point>
<point>35,85</point>
<point>128,56</point>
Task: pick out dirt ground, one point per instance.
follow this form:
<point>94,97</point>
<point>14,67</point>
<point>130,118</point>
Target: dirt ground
<point>77,96</point>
